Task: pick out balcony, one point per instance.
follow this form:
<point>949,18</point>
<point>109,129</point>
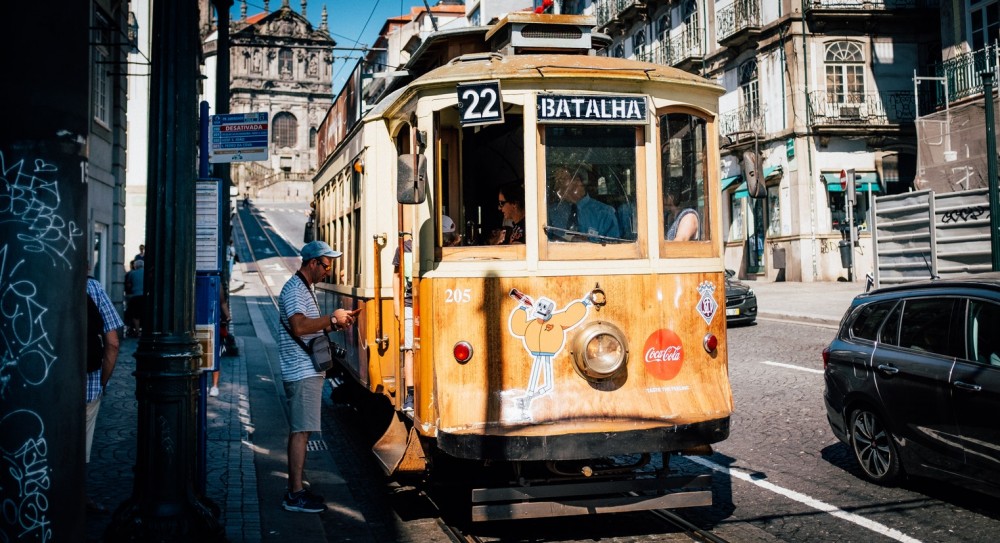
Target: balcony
<point>746,118</point>
<point>870,114</point>
<point>656,53</point>
<point>962,73</point>
<point>686,48</point>
<point>617,13</point>
<point>739,23</point>
<point>821,12</point>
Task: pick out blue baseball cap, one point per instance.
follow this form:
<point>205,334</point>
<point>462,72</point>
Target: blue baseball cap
<point>316,249</point>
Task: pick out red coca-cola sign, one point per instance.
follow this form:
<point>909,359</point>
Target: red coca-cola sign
<point>663,354</point>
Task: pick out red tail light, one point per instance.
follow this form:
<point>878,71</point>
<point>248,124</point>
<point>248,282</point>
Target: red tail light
<point>462,351</point>
<point>710,343</point>
<point>826,357</point>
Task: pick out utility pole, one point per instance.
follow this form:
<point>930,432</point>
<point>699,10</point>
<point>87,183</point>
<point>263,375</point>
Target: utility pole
<point>991,168</point>
<point>164,505</point>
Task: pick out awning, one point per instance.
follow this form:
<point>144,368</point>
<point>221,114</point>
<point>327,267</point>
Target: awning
<point>866,181</point>
<point>728,181</point>
<point>741,191</point>
<point>773,171</point>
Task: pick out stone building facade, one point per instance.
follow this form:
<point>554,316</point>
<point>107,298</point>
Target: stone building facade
<point>279,64</point>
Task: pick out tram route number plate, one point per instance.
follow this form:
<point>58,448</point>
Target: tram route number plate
<point>480,103</point>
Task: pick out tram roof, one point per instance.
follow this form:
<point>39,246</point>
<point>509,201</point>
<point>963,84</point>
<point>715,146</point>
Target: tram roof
<point>496,66</point>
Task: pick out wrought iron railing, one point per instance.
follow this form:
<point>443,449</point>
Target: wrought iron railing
<point>740,15</point>
<point>745,118</point>
<point>687,45</point>
<point>607,10</point>
<point>868,5</point>
<point>656,53</point>
<point>876,108</point>
<point>962,73</point>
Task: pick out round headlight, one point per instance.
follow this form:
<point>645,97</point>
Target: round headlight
<point>599,351</point>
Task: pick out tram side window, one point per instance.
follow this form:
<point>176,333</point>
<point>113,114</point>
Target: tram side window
<point>486,202</point>
<point>684,157</point>
<point>590,183</point>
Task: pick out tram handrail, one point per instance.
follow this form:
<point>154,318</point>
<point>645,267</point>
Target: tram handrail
<point>379,241</point>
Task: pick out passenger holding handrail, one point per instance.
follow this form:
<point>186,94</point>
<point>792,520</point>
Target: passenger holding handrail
<point>575,213</point>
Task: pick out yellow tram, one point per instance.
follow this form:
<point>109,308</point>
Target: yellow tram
<point>594,334</point>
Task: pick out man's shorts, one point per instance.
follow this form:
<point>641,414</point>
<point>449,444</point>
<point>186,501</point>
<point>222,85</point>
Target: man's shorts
<point>408,327</point>
<point>305,397</point>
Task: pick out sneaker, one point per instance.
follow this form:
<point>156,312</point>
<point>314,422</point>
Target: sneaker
<point>312,496</point>
<point>299,502</point>
<point>408,404</point>
<point>214,391</point>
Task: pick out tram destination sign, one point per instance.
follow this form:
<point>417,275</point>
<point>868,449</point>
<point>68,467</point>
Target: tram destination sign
<point>238,137</point>
<point>480,103</point>
<point>591,108</point>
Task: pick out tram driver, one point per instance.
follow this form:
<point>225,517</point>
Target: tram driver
<point>574,215</point>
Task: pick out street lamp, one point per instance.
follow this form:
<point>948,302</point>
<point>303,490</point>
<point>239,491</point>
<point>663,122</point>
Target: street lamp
<point>991,168</point>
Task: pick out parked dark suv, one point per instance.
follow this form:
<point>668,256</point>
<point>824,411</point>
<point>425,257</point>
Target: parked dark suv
<point>913,381</point>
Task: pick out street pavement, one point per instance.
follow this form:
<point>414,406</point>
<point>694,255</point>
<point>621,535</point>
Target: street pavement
<point>246,428</point>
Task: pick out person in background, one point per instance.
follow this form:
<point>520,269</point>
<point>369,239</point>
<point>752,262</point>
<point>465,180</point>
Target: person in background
<point>575,211</point>
<point>449,238</point>
<point>510,201</point>
<point>97,380</point>
<point>136,298</point>
<point>142,253</point>
<point>299,313</point>
<point>231,258</point>
<point>681,223</point>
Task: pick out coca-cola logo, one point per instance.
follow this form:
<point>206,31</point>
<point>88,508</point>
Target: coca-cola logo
<point>663,354</point>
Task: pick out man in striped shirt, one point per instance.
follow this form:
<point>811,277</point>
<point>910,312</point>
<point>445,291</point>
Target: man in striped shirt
<point>299,312</point>
<point>98,379</point>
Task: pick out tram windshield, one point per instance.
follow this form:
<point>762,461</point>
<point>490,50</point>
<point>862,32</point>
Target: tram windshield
<point>590,184</point>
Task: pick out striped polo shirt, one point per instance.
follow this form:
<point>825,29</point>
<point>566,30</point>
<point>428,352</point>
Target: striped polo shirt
<point>295,298</point>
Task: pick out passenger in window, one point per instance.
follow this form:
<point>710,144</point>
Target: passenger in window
<point>574,215</point>
<point>510,202</point>
<point>449,238</point>
<point>683,223</point>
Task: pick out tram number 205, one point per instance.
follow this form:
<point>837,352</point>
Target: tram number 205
<point>480,103</point>
<point>457,296</point>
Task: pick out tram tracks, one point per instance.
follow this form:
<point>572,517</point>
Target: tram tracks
<point>264,251</point>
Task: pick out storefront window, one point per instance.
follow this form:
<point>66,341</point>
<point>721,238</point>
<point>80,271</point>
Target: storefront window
<point>737,228</point>
<point>773,212</point>
<point>838,210</point>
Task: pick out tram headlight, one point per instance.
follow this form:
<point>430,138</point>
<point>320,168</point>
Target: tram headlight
<point>599,351</point>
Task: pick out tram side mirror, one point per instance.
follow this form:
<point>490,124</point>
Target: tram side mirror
<point>411,179</point>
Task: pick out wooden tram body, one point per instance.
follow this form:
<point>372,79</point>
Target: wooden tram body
<point>618,347</point>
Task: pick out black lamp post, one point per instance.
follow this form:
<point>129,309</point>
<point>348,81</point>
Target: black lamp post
<point>991,168</point>
<point>164,505</point>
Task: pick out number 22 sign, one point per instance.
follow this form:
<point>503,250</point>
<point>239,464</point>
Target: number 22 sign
<point>480,103</point>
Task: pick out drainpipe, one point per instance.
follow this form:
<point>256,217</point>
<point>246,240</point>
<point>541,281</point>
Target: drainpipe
<point>809,146</point>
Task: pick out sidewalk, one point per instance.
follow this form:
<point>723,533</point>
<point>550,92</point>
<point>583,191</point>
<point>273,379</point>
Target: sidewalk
<point>818,302</point>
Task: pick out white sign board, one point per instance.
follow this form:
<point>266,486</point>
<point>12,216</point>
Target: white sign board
<point>207,226</point>
<point>238,137</point>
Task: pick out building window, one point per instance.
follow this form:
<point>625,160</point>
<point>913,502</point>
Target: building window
<point>312,138</point>
<point>689,12</point>
<point>639,45</point>
<point>101,91</point>
<point>284,130</point>
<point>845,72</point>
<point>474,17</point>
<point>619,51</point>
<point>985,23</point>
<point>749,91</point>
<point>663,28</point>
<point>773,212</point>
<point>737,224</point>
<point>285,62</point>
